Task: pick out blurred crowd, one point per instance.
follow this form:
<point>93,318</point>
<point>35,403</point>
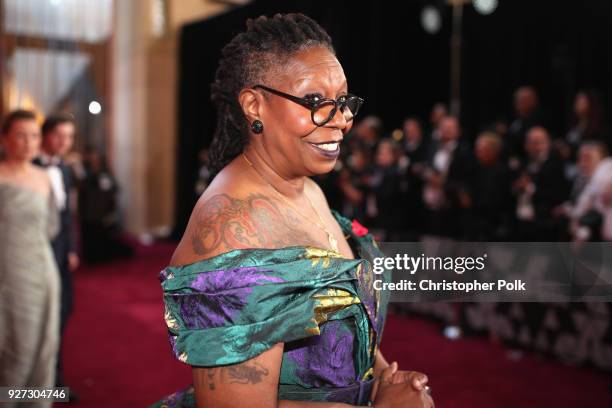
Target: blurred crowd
<point>513,181</point>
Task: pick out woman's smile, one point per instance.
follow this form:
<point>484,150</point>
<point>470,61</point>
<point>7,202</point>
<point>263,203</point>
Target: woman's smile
<point>329,150</point>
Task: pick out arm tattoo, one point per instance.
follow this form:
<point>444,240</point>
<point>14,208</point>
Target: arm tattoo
<point>245,373</point>
<point>224,223</point>
<point>210,374</point>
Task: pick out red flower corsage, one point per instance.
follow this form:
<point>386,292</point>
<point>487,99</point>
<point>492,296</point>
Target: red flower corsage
<point>358,229</point>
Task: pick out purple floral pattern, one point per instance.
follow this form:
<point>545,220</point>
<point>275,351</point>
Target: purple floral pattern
<point>219,296</point>
<point>325,360</point>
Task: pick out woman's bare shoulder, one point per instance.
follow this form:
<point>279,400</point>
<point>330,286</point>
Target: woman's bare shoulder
<point>228,217</point>
<point>36,178</point>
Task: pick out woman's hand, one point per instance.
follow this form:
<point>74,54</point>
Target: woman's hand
<point>401,395</point>
<point>417,380</point>
<point>402,389</point>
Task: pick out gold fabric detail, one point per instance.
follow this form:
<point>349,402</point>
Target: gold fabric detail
<point>328,301</point>
<point>170,321</point>
<point>318,255</point>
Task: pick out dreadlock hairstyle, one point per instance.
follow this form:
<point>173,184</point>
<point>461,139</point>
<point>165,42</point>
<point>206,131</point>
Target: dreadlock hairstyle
<point>245,61</point>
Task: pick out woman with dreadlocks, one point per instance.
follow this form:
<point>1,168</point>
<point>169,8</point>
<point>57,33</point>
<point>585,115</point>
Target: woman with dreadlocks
<point>269,295</point>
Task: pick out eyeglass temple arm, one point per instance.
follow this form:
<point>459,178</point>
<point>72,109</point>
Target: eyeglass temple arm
<point>292,98</point>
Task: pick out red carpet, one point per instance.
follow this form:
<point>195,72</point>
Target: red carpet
<point>117,355</point>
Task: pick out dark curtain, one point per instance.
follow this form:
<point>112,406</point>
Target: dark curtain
<point>557,46</point>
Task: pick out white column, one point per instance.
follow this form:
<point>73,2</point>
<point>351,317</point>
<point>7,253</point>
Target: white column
<point>128,109</point>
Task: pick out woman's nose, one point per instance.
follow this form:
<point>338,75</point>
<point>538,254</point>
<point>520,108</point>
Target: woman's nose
<point>338,120</point>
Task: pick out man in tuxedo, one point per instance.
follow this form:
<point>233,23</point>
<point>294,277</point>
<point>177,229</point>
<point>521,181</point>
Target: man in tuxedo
<point>58,138</point>
<point>487,199</point>
<point>527,115</point>
<point>445,177</point>
<point>415,145</point>
<point>540,187</point>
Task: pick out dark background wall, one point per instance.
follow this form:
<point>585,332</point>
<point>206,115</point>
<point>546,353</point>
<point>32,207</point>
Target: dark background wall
<point>558,46</point>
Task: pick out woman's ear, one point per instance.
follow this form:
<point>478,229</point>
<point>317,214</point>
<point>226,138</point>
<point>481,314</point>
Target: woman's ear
<point>250,101</point>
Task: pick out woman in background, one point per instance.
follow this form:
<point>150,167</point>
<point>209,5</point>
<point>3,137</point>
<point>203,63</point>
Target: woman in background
<point>588,122</point>
<point>29,280</point>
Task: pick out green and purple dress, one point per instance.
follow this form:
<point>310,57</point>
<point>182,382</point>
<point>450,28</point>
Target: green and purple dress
<point>232,307</point>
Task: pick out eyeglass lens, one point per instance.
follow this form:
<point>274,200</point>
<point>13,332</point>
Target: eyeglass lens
<point>327,109</point>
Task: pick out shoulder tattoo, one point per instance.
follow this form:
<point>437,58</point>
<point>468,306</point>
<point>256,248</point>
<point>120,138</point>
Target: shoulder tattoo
<point>224,223</point>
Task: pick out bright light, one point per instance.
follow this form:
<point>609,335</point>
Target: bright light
<point>95,107</point>
<point>485,6</point>
<point>55,2</point>
<point>430,19</point>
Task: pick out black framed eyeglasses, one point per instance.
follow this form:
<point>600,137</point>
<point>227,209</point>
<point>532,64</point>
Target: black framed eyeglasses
<point>322,110</point>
